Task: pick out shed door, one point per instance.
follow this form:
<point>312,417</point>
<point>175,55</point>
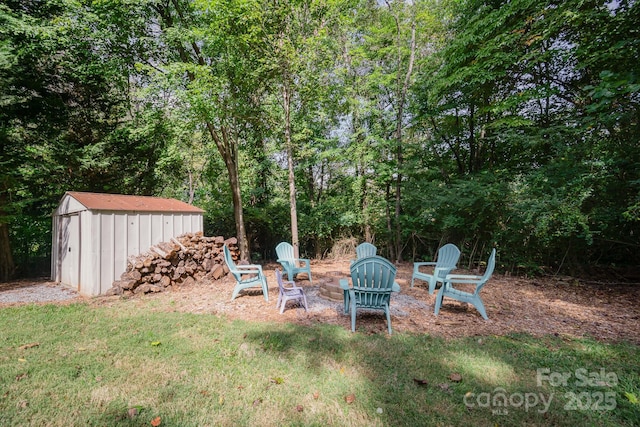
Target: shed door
<point>70,250</point>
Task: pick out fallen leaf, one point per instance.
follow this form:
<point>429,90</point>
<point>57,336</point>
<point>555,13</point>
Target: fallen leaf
<point>204,392</point>
<point>155,343</point>
<point>26,346</point>
<point>631,397</point>
<point>257,402</point>
<point>21,376</point>
<point>420,382</point>
<point>444,387</point>
<point>277,380</point>
<point>455,377</point>
<point>22,360</point>
<point>132,412</point>
<point>156,422</point>
<point>240,387</point>
<point>316,395</point>
<point>350,398</point>
<point>23,404</point>
<point>299,408</point>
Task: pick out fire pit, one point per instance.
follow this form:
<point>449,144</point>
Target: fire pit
<point>330,287</point>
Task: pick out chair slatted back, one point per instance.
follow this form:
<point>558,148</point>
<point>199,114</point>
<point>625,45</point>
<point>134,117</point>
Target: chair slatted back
<point>365,249</point>
<point>232,265</point>
<point>372,280</point>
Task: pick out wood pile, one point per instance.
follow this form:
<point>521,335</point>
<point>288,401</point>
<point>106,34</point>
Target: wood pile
<point>181,261</point>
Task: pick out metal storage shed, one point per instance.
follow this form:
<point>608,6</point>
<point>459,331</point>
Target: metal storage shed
<point>94,234</point>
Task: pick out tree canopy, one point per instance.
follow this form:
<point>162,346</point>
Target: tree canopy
<point>409,124</point>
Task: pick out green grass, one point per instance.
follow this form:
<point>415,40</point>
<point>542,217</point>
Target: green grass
<point>122,365</point>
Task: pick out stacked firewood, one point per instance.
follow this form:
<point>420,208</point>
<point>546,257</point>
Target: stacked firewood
<point>181,261</point>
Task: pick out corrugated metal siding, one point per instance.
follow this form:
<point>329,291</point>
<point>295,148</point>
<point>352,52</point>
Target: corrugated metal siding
<point>107,238</point>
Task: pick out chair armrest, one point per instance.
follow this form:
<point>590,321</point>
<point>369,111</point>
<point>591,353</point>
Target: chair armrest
<point>344,284</point>
<point>462,278</point>
<point>292,286</point>
<point>420,264</point>
<point>245,268</point>
<point>417,265</point>
<point>395,287</point>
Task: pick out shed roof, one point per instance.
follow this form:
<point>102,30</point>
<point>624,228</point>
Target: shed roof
<point>121,202</point>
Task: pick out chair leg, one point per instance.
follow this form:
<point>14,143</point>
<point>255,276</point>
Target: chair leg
<point>347,304</point>
<point>353,316</point>
<point>412,279</point>
<point>439,298</point>
<point>386,310</point>
<point>236,291</point>
<point>284,302</point>
<point>432,285</point>
<point>477,303</point>
<point>304,298</point>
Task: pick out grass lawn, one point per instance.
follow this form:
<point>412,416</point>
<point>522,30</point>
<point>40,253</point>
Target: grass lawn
<point>77,364</point>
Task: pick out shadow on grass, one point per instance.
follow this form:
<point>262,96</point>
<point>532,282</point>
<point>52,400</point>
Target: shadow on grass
<point>410,379</point>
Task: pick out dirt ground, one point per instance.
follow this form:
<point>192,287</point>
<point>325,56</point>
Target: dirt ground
<point>561,306</point>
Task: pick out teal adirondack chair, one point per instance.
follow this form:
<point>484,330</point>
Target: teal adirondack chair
<point>373,280</point>
<point>448,256</point>
<point>472,298</point>
<point>364,250</point>
<point>292,266</point>
<point>247,276</point>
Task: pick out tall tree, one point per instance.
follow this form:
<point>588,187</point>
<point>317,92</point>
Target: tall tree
<point>64,80</point>
<point>217,48</point>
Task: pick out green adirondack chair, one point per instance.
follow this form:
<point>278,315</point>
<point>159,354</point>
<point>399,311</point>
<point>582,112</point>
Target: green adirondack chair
<point>447,261</point>
<point>472,298</point>
<point>373,280</point>
<point>364,250</point>
<point>292,266</point>
<point>247,276</point>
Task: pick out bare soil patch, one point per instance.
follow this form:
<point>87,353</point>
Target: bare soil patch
<point>561,306</point>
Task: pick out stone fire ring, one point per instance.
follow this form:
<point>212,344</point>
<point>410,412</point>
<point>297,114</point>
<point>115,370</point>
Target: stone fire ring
<point>330,287</point>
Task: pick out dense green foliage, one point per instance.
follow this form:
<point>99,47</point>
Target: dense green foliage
<point>486,123</point>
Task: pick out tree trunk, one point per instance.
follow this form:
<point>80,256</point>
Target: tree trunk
<point>403,87</point>
<point>286,101</point>
<point>229,152</point>
<point>227,147</point>
<point>7,266</point>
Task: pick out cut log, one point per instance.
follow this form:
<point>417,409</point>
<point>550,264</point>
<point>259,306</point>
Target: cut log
<point>165,281</point>
<point>217,272</point>
<point>183,260</point>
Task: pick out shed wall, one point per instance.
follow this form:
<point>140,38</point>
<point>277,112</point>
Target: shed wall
<point>116,236</point>
<point>90,255</point>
